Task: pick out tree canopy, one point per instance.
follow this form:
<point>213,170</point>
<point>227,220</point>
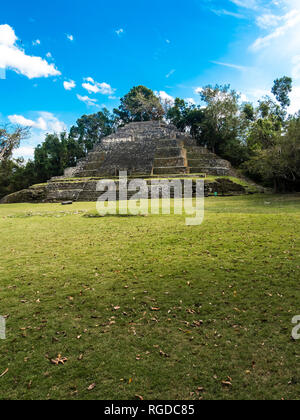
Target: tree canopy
<point>140,104</point>
<point>90,129</point>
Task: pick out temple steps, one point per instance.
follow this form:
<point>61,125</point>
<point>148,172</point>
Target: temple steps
<point>167,152</point>
<point>207,161</point>
<point>171,143</point>
<point>172,170</point>
<point>169,161</point>
<point>216,171</point>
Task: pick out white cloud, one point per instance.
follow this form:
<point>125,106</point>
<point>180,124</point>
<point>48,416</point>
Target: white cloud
<point>36,42</point>
<point>164,97</point>
<point>7,36</point>
<point>14,58</point>
<point>257,93</point>
<point>222,12</point>
<point>232,66</point>
<point>247,4</point>
<point>287,23</point>
<point>243,97</point>
<point>168,41</point>
<point>88,101</point>
<point>267,20</point>
<point>26,152</point>
<point>89,79</point>
<point>199,90</point>
<point>49,55</point>
<point>278,45</point>
<point>170,73</point>
<point>105,88</point>
<point>120,32</point>
<point>46,122</point>
<point>20,120</point>
<point>90,88</point>
<point>295,100</point>
<point>70,37</point>
<point>94,87</point>
<point>190,101</point>
<point>69,85</point>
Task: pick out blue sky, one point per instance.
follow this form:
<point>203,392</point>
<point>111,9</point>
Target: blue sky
<point>62,59</point>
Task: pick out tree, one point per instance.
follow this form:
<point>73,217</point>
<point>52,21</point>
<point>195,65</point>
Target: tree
<point>281,89</point>
<point>221,117</point>
<point>262,134</point>
<point>178,114</point>
<point>140,104</point>
<point>279,164</point>
<point>264,124</point>
<point>9,140</point>
<point>90,129</point>
<point>217,126</point>
<point>15,175</point>
<point>55,154</point>
<point>186,117</point>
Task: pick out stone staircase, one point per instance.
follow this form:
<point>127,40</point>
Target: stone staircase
<point>201,160</point>
<point>170,158</point>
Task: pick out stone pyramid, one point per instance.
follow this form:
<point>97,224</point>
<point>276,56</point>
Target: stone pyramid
<point>148,149</point>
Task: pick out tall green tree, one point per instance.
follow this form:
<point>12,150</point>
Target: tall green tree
<point>281,89</point>
<point>279,165</point>
<point>90,129</point>
<point>221,122</point>
<point>140,104</point>
<point>186,117</point>
<point>56,153</point>
<point>269,118</point>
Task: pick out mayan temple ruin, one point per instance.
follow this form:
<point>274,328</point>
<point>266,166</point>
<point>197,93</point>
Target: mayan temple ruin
<point>149,150</point>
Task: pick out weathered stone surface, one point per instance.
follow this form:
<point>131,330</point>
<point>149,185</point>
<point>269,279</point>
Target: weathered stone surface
<point>224,186</point>
<point>30,195</point>
<point>147,148</point>
<point>87,191</point>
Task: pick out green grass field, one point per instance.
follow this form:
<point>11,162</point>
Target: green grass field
<point>150,307</point>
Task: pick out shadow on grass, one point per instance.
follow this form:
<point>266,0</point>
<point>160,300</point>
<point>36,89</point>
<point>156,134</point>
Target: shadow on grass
<point>97,215</point>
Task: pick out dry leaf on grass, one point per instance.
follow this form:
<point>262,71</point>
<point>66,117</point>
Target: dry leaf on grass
<point>4,373</point>
<point>59,360</point>
<point>226,383</point>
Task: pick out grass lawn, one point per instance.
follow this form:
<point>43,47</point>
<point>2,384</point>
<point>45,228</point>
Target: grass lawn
<point>147,306</point>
